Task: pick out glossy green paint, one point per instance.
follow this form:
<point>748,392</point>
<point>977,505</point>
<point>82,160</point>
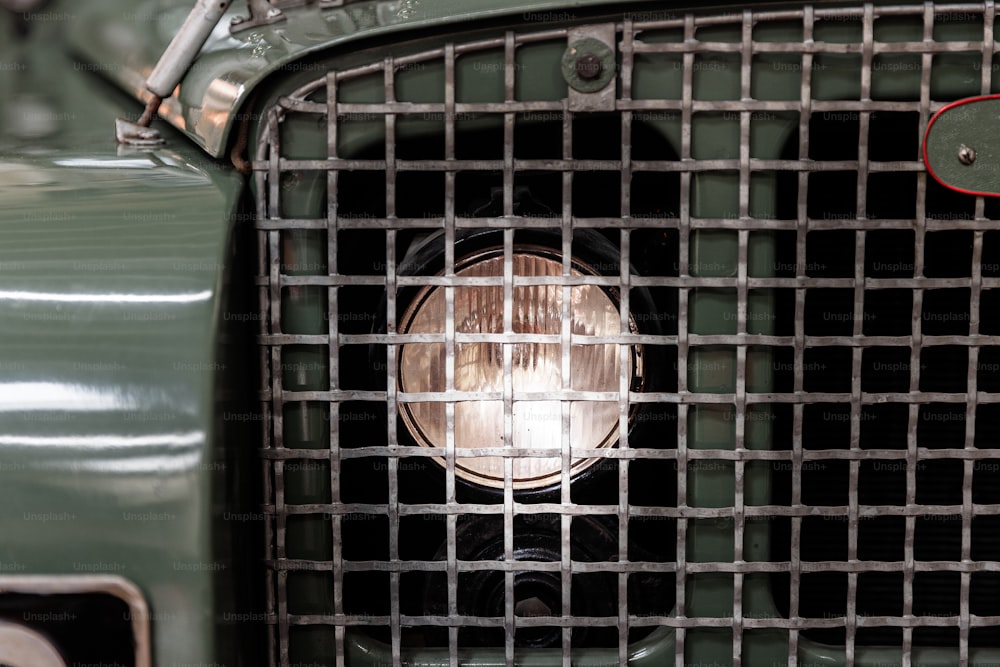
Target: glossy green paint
<point>111,272</point>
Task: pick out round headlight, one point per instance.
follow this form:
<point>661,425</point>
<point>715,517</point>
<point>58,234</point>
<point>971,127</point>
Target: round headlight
<point>536,368</point>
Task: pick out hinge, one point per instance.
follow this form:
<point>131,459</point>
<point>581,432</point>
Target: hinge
<point>185,47</point>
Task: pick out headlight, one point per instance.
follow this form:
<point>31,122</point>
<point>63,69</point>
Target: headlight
<point>536,368</point>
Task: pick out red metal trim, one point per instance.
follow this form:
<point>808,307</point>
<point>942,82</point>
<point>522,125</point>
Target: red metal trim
<point>927,133</point>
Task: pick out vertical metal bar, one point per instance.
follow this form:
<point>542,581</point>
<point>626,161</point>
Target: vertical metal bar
<point>333,293</point>
<point>566,520</point>
<point>624,351</point>
<point>913,410</point>
<point>989,18</point>
<point>972,399</point>
<point>856,357</point>
<point>450,351</point>
<point>510,66</point>
<point>508,441</point>
<point>273,166</point>
<point>912,461</point>
<point>746,55</point>
<point>985,79</point>
<point>624,382</point>
<point>281,517</point>
<point>264,261</point>
<point>628,58</point>
<point>683,293</point>
<point>798,359</point>
<point>277,401</point>
<point>972,393</point>
<point>392,405</point>
<point>332,179</point>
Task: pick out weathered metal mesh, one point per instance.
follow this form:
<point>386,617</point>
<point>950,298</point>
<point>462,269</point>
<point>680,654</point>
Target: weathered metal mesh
<point>813,464</point>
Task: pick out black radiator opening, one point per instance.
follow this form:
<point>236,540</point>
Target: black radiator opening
<point>888,310</point>
<point>72,621</point>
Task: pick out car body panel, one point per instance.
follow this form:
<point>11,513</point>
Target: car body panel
<point>123,39</point>
<point>111,267</point>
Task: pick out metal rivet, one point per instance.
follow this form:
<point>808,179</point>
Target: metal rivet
<point>966,155</point>
<point>588,67</point>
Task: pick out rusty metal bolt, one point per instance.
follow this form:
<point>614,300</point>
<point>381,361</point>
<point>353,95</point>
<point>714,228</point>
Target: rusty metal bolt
<point>966,155</point>
<point>588,67</point>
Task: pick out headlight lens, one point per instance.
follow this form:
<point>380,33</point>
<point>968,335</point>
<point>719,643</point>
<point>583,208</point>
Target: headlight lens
<point>536,368</point>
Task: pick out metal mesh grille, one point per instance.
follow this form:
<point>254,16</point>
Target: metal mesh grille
<point>811,473</point>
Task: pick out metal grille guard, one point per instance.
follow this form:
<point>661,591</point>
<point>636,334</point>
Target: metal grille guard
<point>727,91</point>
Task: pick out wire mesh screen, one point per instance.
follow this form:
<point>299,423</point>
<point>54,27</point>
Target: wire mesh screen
<point>703,372</point>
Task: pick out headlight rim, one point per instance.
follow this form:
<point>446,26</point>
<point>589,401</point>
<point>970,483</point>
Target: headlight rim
<point>481,245</point>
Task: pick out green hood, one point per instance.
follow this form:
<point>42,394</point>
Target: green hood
<point>123,39</point>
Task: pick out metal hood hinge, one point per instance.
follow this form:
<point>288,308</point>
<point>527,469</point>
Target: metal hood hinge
<point>182,51</point>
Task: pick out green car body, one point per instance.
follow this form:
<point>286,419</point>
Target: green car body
<point>113,271</point>
<point>127,434</point>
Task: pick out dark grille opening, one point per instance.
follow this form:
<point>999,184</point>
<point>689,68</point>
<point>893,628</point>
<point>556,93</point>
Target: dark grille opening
<point>70,622</point>
<point>882,482</point>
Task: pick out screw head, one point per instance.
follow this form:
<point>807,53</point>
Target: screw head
<point>588,67</point>
<point>966,155</point>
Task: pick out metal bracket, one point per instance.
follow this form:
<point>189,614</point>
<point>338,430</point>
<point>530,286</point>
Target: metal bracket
<point>589,66</point>
<point>177,59</point>
<point>322,4</point>
<point>134,134</point>
<point>261,13</point>
<point>961,149</point>
<point>266,12</point>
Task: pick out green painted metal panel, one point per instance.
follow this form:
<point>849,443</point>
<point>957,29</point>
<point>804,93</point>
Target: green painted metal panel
<point>111,270</point>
